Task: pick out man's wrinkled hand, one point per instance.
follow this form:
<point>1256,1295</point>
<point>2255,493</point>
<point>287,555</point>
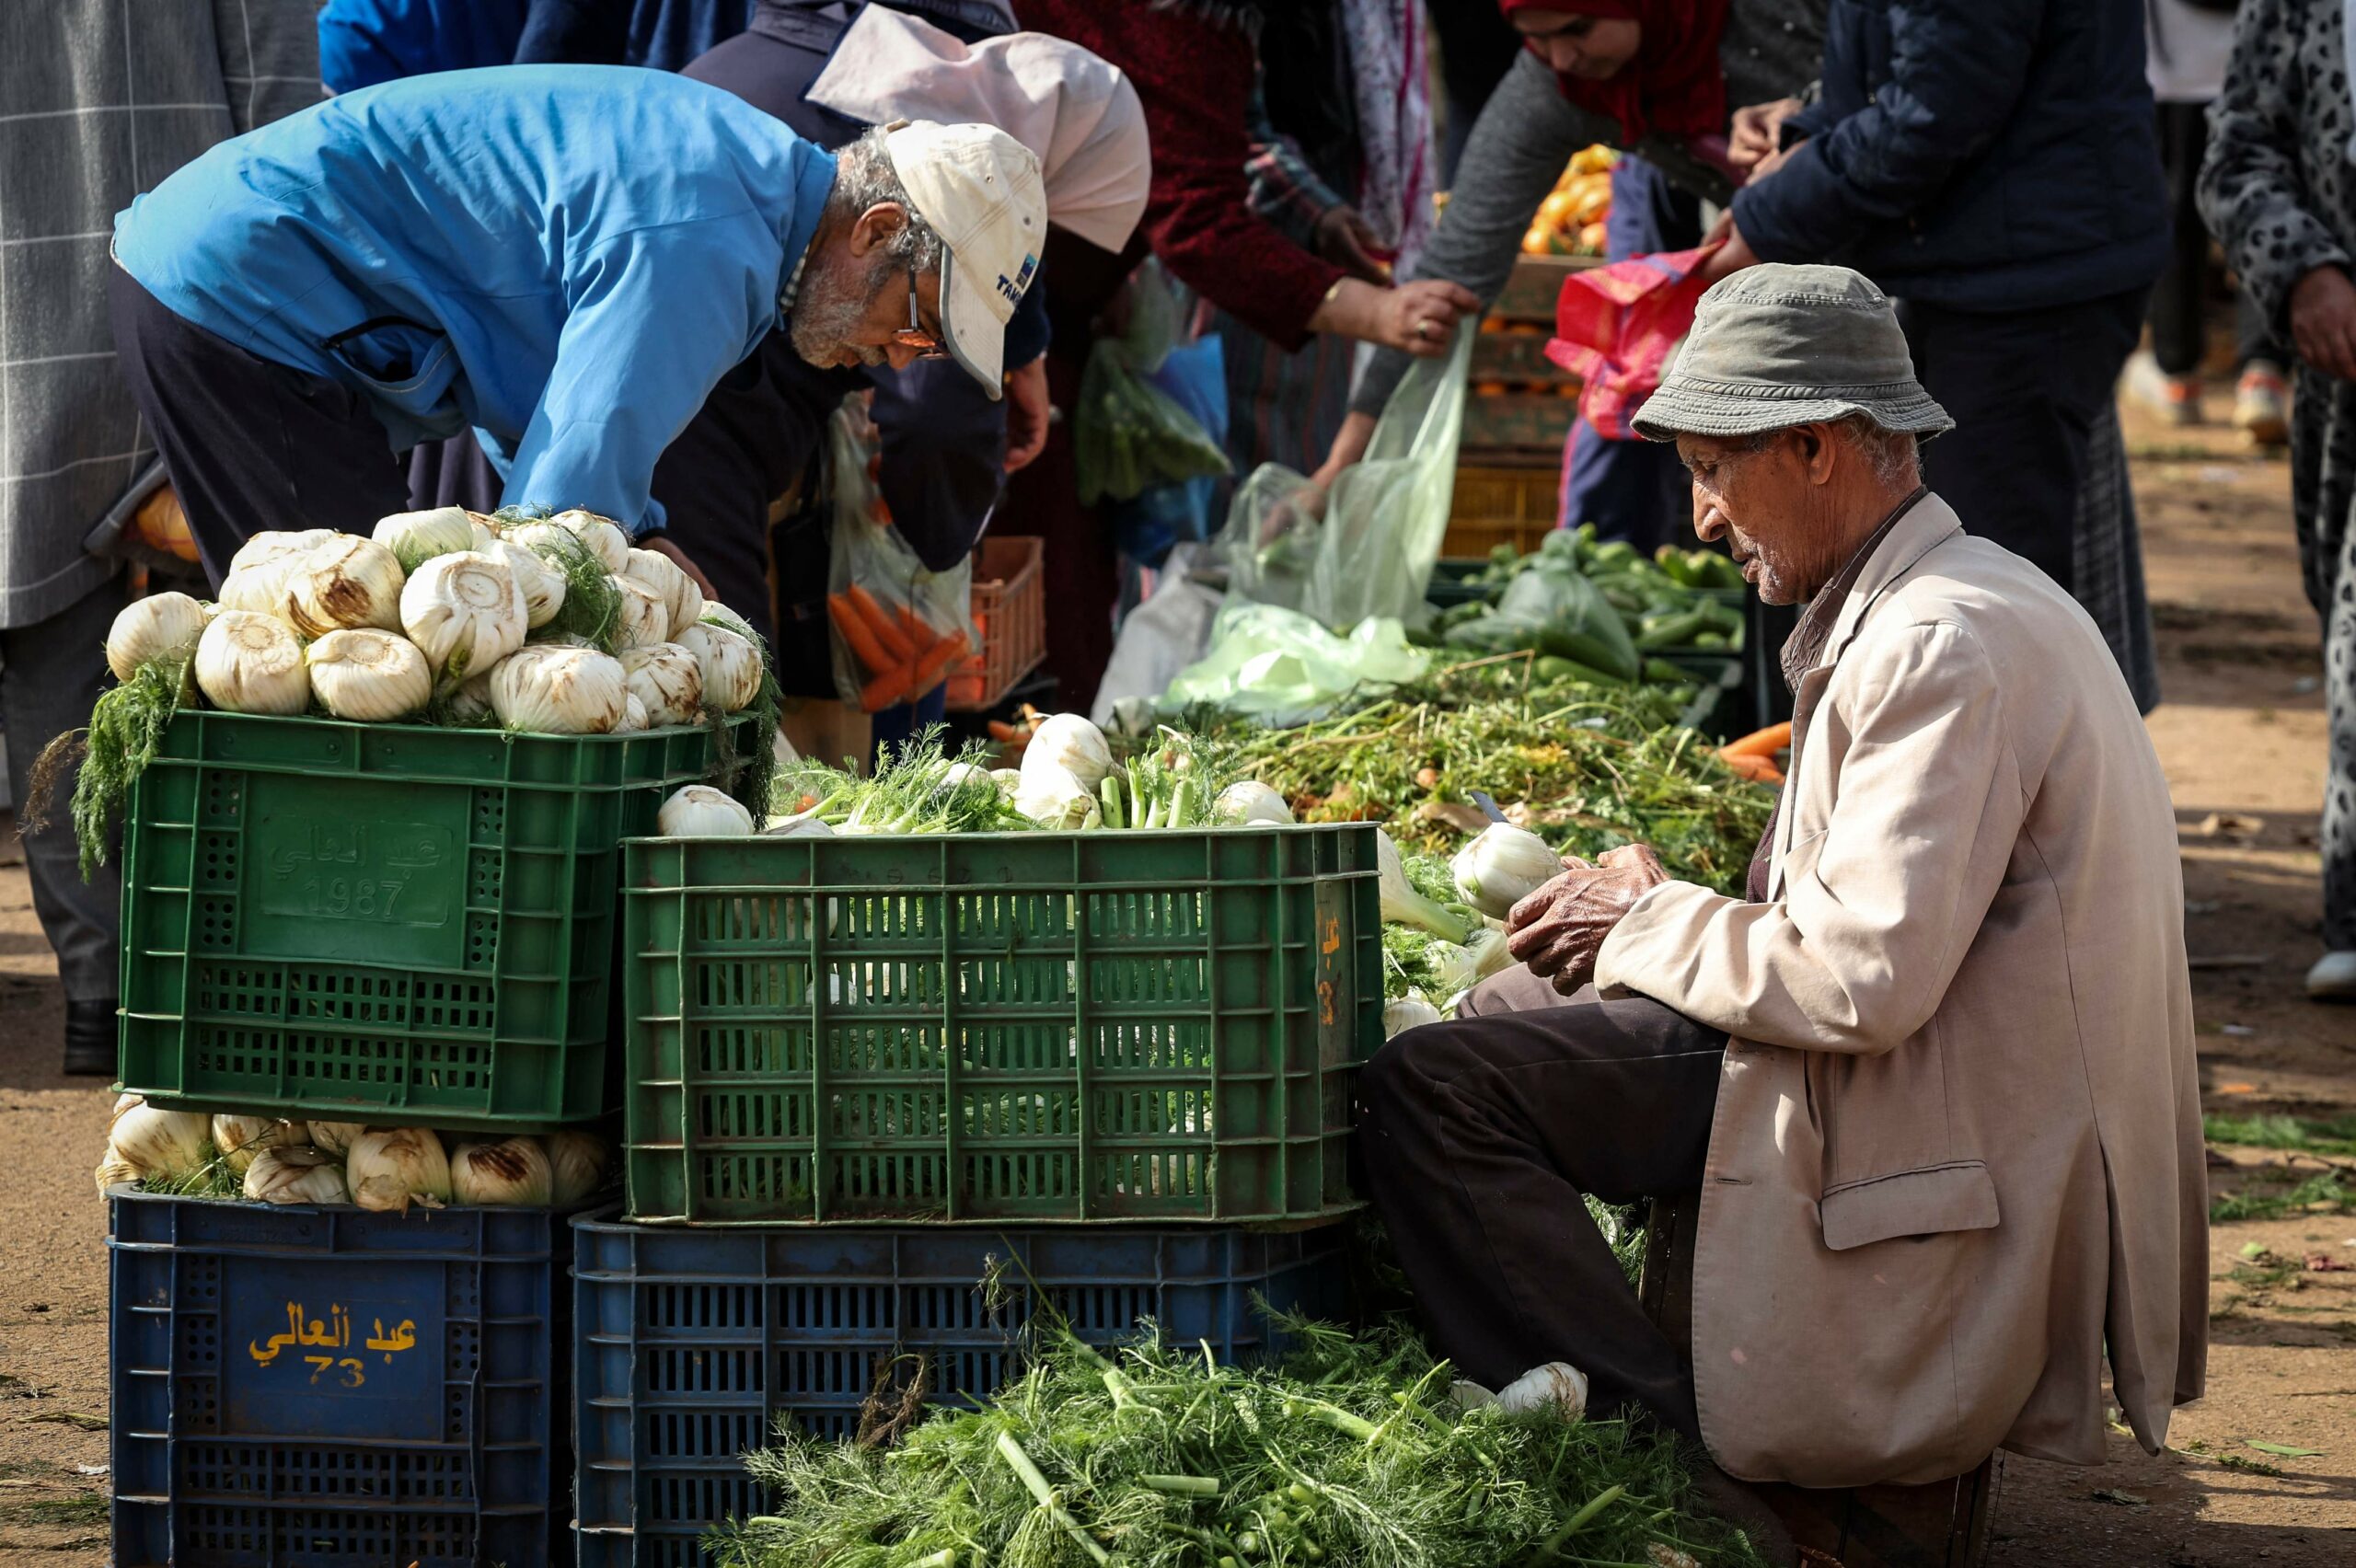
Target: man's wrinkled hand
<point>1560,929</point>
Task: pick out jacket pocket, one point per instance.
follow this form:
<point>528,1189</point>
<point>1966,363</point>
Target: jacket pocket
<point>392,354</point>
<point>1955,1196</point>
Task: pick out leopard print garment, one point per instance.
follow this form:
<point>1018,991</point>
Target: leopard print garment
<point>2279,189</point>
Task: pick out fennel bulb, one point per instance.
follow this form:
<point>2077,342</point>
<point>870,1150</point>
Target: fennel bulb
<point>602,536</point>
<point>541,584</point>
<point>513,1170</point>
<point>416,538</point>
<point>680,596</point>
<point>276,544</point>
<point>335,1138</point>
<point>1409,1012</point>
<point>1558,1388</point>
<point>633,716</point>
<point>296,1175</point>
<point>1068,743</point>
<point>252,664</point>
<point>345,581</point>
<point>729,664</point>
<point>238,1138</point>
<point>465,613</point>
<point>1248,804</point>
<point>1053,796</point>
<point>161,626</point>
<point>1403,906</point>
<point>644,619</point>
<point>577,1164</point>
<point>666,678</point>
<point>146,1142</point>
<point>698,811</point>
<point>361,673</point>
<point>391,1167</point>
<point>1503,866</point>
<point>556,690</point>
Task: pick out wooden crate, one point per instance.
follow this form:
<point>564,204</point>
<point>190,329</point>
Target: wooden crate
<point>1010,608</point>
<point>1501,504</point>
<point>1536,283</point>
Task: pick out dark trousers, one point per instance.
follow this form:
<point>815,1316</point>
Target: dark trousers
<point>250,445</point>
<point>2180,297</point>
<point>1477,1140</point>
<point>2024,387</point>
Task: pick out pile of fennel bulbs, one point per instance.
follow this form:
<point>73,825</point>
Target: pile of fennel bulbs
<point>268,1159</point>
<point>542,626</point>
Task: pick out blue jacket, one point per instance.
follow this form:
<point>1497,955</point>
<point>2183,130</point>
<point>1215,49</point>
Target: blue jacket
<point>566,258</point>
<point>363,43</point>
<point>1982,155</point>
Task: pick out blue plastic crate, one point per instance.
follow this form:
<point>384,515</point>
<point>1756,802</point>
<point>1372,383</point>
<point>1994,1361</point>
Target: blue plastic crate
<point>692,1343</point>
<point>304,1387</point>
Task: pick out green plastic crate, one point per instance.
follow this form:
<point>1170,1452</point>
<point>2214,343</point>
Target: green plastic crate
<point>383,923</point>
<point>1133,1025</point>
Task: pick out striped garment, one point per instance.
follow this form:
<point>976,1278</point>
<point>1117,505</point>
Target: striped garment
<point>100,99</point>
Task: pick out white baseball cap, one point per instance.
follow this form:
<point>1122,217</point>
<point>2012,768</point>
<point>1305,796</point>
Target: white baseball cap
<point>980,190</point>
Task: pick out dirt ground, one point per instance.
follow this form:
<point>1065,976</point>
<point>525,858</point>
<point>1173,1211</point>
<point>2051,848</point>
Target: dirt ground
<point>2242,737</point>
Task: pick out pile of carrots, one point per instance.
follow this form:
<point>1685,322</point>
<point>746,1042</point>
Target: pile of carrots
<point>1756,756</point>
<point>902,657</point>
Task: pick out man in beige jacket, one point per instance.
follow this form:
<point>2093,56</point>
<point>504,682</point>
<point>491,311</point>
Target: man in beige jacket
<point>1933,1079</point>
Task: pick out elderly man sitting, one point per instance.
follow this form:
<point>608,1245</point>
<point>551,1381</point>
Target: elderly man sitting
<point>1933,1077</point>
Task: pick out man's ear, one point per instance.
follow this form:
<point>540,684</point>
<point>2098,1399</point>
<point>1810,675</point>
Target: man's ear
<point>876,225</point>
<point>1815,451</point>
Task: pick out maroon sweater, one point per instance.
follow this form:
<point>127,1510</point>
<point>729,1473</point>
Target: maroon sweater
<point>1192,74</point>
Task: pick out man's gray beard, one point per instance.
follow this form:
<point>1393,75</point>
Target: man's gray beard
<point>834,301</point>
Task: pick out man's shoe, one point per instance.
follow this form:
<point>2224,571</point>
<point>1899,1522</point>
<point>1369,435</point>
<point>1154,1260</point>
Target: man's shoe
<point>2174,398</point>
<point>2262,404</point>
<point>89,1038</point>
<point>2333,979</point>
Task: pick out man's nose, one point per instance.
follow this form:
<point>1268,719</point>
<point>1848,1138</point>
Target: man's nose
<point>1708,523</point>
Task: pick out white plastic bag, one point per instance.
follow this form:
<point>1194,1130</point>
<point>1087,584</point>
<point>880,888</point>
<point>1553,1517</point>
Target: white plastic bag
<point>1365,550</point>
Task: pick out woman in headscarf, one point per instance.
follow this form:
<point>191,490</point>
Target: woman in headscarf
<point>1656,78</point>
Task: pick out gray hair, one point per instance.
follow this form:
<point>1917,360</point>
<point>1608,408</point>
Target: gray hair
<point>1893,456</point>
<point>864,178</point>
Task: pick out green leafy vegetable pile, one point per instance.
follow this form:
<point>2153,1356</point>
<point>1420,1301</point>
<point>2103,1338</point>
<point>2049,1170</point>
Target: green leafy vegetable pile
<point>1354,1454</point>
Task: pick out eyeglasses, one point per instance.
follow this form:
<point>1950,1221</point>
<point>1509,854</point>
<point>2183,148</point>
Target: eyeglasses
<point>914,336</point>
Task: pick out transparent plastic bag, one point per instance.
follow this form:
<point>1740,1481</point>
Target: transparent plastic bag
<point>1367,548</point>
<point>1129,436</point>
<point>898,629</point>
<point>1284,668</point>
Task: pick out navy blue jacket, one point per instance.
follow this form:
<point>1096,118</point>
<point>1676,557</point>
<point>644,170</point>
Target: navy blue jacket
<point>1982,155</point>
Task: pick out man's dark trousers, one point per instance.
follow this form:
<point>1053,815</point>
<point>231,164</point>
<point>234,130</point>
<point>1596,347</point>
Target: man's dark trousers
<point>1478,1138</point>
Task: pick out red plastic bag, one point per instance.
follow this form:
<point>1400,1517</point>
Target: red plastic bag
<point>1616,326</point>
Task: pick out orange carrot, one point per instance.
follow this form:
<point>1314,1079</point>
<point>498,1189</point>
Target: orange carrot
<point>885,689</point>
<point>934,667</point>
<point>1760,769</point>
<point>1760,742</point>
<point>1002,730</point>
<point>879,620</point>
<point>855,630</point>
<point>913,628</point>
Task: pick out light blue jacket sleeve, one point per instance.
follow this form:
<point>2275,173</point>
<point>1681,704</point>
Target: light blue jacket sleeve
<point>658,315</point>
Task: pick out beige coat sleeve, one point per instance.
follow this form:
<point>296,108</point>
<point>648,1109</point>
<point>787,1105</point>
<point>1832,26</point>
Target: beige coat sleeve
<point>1879,908</point>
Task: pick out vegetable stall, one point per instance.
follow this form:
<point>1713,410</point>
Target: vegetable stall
<point>926,1160</point>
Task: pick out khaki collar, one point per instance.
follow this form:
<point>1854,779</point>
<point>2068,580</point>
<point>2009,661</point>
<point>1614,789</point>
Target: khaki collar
<point>1922,527</point>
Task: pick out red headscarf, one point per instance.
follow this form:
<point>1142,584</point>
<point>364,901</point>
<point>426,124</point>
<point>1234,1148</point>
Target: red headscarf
<point>1673,85</point>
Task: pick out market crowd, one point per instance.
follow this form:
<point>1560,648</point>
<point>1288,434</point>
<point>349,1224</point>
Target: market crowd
<point>278,266</point>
